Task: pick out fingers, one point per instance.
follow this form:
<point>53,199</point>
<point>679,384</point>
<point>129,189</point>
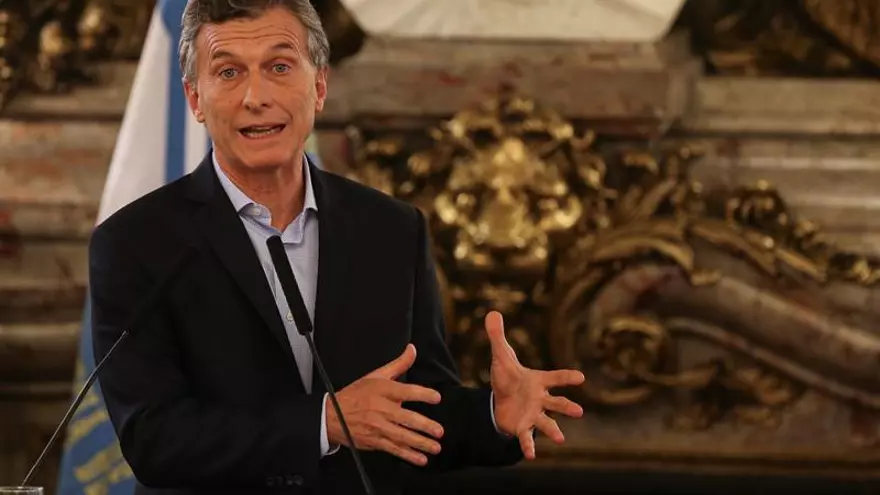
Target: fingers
<point>562,405</point>
<point>527,444</point>
<point>407,454</point>
<point>405,392</point>
<point>410,439</point>
<point>406,444</point>
<point>563,378</point>
<point>417,422</point>
<point>495,330</point>
<point>399,366</point>
<point>549,427</point>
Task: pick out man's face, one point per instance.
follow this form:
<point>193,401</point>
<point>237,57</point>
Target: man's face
<point>257,89</point>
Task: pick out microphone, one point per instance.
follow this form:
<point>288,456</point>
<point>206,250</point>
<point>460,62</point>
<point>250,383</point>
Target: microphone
<point>146,306</point>
<point>304,326</point>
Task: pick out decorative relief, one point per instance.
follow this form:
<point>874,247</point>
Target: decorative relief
<point>48,45</point>
<point>814,38</point>
<point>614,261</point>
<point>505,186</point>
<point>636,357</point>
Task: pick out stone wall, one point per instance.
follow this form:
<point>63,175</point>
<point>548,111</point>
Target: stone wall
<point>51,176</point>
<point>816,141</point>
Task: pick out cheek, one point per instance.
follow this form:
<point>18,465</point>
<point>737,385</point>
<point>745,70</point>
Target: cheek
<point>305,100</point>
<point>221,97</point>
<point>298,90</point>
<point>222,111</point>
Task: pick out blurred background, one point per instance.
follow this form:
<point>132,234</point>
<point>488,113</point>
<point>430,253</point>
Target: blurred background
<point>678,197</point>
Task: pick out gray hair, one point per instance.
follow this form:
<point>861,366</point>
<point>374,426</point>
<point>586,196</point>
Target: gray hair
<point>201,12</point>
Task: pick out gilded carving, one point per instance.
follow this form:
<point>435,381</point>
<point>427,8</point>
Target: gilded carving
<point>504,185</point>
<point>636,362</point>
<point>615,261</point>
<point>47,46</point>
<point>820,38</point>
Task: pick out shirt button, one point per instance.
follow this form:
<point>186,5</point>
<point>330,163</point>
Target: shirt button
<point>255,210</point>
<point>290,317</point>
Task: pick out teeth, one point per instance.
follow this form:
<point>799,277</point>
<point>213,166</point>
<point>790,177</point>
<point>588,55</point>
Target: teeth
<point>261,131</point>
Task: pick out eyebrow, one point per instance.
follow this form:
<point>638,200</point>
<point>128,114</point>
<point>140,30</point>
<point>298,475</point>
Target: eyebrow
<point>275,48</point>
<point>278,47</point>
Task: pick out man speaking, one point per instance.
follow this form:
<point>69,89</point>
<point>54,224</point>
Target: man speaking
<point>216,392</point>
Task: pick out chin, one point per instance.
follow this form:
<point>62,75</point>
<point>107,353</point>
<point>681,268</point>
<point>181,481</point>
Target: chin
<point>267,158</point>
<point>264,162</point>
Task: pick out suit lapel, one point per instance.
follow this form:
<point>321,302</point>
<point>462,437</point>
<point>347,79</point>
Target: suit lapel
<point>219,223</point>
<point>333,260</point>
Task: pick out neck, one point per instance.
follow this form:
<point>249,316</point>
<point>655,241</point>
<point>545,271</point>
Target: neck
<point>280,189</point>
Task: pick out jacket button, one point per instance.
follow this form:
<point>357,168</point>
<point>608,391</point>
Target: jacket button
<point>294,480</point>
<point>270,481</point>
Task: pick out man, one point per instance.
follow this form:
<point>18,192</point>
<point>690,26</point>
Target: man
<point>216,392</point>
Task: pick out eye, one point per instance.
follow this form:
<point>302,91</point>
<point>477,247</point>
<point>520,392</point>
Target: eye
<point>227,73</point>
<point>280,68</point>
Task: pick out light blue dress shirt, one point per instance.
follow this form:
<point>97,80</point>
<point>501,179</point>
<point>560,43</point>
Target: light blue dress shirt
<point>300,240</point>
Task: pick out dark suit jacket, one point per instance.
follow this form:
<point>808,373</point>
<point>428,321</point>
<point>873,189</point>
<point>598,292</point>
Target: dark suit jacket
<point>205,396</point>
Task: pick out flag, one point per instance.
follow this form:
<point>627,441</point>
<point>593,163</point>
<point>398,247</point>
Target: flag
<point>159,141</point>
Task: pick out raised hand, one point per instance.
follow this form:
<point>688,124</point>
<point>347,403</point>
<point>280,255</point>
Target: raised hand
<point>522,395</point>
<point>376,419</point>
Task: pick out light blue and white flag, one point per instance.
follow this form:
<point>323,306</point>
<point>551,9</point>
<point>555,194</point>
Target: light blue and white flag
<point>158,142</point>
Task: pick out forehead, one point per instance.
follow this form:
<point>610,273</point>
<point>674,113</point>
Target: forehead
<point>275,26</point>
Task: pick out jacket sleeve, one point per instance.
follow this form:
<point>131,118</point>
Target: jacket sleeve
<point>171,437</point>
<point>470,436</point>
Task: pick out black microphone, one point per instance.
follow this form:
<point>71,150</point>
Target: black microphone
<point>304,326</point>
<point>147,305</point>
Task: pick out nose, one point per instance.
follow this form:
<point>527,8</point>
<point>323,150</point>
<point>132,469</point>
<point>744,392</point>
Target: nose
<point>256,96</point>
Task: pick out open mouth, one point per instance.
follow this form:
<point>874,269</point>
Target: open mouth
<point>259,132</point>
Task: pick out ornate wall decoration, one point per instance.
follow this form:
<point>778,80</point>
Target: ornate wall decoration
<point>813,38</point>
<point>614,261</point>
<point>48,45</point>
<point>627,295</point>
<point>505,187</point>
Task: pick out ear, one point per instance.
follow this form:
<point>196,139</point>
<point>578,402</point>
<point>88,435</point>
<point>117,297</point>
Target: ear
<point>192,98</point>
<point>320,89</point>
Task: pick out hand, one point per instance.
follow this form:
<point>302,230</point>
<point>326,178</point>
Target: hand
<point>522,397</point>
<point>377,421</point>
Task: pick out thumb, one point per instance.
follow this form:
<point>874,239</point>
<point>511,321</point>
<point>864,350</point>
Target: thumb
<point>395,368</point>
<point>495,330</point>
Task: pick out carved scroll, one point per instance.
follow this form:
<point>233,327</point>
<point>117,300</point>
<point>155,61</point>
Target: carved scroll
<point>722,303</point>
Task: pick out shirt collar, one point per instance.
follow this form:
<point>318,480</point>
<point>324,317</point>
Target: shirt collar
<point>240,200</point>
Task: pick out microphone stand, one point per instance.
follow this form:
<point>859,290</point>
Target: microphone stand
<point>146,306</point>
<point>71,410</point>
<point>304,326</point>
<point>368,487</point>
